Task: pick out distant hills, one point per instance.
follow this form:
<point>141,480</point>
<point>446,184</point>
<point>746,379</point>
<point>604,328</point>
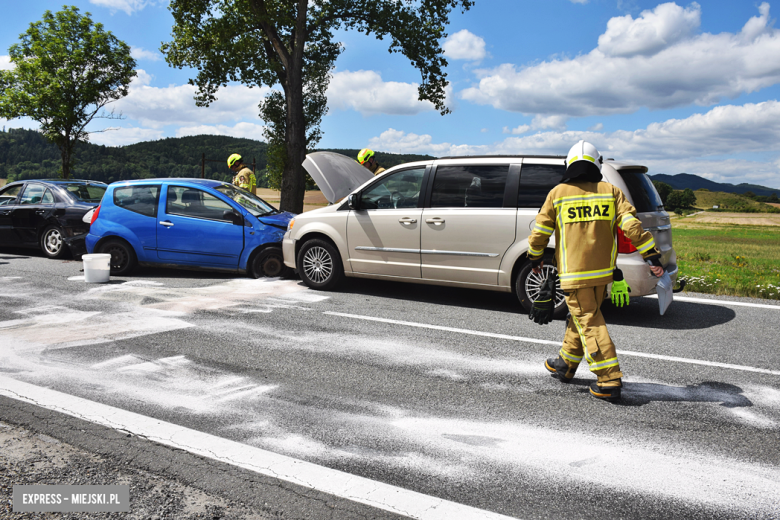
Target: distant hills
<point>25,154</point>
<point>683,181</point>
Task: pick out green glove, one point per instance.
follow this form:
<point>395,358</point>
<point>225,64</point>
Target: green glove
<point>620,289</point>
<point>544,306</point>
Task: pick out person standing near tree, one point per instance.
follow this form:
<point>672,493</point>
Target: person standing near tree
<point>584,213</point>
<point>244,177</point>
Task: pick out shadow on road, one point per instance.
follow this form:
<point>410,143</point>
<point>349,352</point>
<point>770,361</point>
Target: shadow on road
<point>643,312</point>
<point>454,296</point>
<point>640,394</point>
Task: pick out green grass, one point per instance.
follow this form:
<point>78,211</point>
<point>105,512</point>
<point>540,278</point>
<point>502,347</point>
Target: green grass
<point>730,260</point>
<point>730,202</point>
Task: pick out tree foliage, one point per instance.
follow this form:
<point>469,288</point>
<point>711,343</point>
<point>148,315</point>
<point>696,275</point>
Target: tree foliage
<point>680,200</point>
<point>663,190</point>
<point>290,43</point>
<point>66,70</point>
<point>26,154</point>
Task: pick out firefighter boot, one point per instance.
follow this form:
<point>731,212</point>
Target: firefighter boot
<point>559,369</point>
<point>607,393</point>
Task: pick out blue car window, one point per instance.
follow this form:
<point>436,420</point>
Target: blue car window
<point>138,199</point>
<point>191,202</point>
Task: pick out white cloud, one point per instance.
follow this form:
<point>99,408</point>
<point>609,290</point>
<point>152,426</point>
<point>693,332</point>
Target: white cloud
<point>365,92</point>
<point>21,122</point>
<point>517,130</point>
<point>128,6</point>
<point>597,127</point>
<point>125,136</point>
<point>701,69</point>
<point>156,107</point>
<point>651,32</point>
<point>5,63</point>
<point>247,130</point>
<point>464,45</point>
<point>579,1</point>
<point>140,53</point>
<point>555,122</point>
<point>700,144</point>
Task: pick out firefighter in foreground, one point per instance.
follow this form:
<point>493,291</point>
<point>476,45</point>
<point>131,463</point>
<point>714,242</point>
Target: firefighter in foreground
<point>367,159</point>
<point>244,178</point>
<point>584,214</point>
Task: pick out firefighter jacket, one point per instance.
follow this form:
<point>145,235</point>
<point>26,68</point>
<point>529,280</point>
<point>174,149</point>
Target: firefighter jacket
<point>584,217</point>
<point>244,179</point>
<point>376,170</point>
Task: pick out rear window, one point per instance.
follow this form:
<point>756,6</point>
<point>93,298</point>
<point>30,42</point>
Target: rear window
<point>641,190</point>
<point>536,181</point>
<point>138,199</point>
<point>86,192</point>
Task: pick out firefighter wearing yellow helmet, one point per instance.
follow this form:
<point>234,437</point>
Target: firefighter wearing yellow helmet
<point>584,213</point>
<point>367,159</point>
<point>244,176</point>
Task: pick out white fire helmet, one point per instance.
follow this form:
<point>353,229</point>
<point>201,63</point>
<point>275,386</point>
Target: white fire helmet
<point>584,151</point>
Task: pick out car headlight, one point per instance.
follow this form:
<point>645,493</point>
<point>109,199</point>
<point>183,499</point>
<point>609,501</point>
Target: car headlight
<point>290,224</point>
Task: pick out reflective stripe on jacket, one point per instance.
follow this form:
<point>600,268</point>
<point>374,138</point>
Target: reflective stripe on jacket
<point>584,217</point>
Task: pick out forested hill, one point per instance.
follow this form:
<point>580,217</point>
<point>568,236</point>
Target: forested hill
<point>25,154</point>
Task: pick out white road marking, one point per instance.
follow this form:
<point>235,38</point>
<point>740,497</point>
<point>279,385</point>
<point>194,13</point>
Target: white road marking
<point>556,343</point>
<point>351,487</point>
<point>448,329</point>
<point>726,303</point>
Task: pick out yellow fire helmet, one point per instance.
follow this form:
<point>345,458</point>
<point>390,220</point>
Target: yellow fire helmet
<point>233,159</point>
<point>364,155</point>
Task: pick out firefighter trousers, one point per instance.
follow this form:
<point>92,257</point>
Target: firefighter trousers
<point>587,336</point>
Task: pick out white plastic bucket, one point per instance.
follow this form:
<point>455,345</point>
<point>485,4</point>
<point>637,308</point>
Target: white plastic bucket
<point>97,268</point>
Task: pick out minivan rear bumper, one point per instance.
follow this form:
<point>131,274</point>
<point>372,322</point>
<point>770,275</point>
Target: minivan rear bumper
<point>638,275</point>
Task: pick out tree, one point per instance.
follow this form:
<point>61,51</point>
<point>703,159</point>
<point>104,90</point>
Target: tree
<point>290,43</point>
<point>66,70</point>
<point>688,198</point>
<point>663,190</point>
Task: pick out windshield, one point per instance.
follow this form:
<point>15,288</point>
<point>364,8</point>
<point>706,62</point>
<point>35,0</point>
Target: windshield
<point>252,203</point>
<point>642,191</point>
<point>86,192</point>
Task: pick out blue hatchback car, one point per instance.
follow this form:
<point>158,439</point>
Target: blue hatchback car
<point>190,223</point>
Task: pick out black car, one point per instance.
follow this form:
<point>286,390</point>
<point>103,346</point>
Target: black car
<point>47,214</point>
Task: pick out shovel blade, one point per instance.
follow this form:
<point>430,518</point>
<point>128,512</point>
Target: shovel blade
<point>664,291</point>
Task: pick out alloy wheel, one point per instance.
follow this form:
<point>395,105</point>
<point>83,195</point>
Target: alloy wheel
<point>317,264</point>
<point>533,284</point>
<point>52,241</point>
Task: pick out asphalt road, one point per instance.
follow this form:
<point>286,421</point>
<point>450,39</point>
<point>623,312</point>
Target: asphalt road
<point>435,390</point>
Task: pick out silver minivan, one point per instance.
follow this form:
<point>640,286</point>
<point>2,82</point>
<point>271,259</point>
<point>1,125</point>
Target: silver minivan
<point>454,221</point>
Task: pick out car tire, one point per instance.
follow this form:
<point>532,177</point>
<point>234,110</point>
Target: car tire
<point>53,243</point>
<point>528,283</point>
<point>270,263</point>
<point>319,265</point>
<point>123,259</point>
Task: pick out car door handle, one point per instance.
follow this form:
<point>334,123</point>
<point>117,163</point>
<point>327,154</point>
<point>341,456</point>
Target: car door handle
<point>438,221</point>
<point>5,212</point>
<point>40,211</point>
<point>166,223</point>
<point>407,220</point>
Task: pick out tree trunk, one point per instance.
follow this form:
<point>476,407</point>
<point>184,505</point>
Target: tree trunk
<point>65,153</point>
<point>293,178</point>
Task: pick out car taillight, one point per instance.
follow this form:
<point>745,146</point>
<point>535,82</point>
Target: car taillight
<point>94,215</point>
<point>624,244</point>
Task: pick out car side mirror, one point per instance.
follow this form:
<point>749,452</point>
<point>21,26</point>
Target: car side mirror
<point>233,217</point>
<point>353,201</point>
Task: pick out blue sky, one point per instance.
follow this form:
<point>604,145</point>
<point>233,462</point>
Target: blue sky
<point>679,87</point>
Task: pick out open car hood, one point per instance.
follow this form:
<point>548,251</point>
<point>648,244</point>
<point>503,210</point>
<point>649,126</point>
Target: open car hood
<point>336,175</point>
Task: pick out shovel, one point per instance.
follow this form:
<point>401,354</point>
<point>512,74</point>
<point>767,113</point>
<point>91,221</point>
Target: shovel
<point>664,290</point>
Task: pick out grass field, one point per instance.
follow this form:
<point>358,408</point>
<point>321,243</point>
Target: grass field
<point>729,259</point>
